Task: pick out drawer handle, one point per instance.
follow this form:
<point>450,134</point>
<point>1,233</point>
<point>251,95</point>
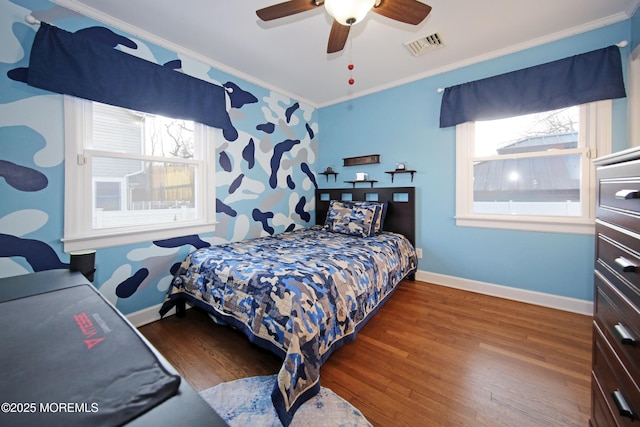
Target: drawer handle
<point>628,194</point>
<point>627,266</point>
<point>621,403</point>
<point>625,337</point>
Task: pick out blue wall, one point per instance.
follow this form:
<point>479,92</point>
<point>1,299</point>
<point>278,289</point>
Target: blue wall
<point>401,124</point>
<point>135,277</point>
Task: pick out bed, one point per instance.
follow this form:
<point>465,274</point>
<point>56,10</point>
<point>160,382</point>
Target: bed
<point>305,293</point>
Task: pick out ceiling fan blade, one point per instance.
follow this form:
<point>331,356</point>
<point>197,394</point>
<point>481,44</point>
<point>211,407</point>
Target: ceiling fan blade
<point>408,11</point>
<point>337,37</point>
<point>287,8</point>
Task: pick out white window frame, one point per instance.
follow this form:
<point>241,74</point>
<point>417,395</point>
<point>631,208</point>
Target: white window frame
<point>595,140</point>
<point>78,232</point>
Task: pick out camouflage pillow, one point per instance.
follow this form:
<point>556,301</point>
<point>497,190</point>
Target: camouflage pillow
<point>353,218</point>
<point>383,213</point>
<point>379,223</point>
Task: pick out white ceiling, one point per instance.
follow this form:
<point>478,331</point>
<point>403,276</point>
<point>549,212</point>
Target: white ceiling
<point>289,54</point>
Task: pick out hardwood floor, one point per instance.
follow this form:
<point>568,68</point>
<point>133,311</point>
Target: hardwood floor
<point>431,356</point>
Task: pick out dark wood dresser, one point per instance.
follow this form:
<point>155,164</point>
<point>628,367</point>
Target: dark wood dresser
<point>615,392</point>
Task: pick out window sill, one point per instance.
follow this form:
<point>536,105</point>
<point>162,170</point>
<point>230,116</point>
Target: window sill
<point>529,223</point>
<point>121,238</point>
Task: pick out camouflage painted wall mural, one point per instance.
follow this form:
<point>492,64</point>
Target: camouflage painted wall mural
<point>265,170</point>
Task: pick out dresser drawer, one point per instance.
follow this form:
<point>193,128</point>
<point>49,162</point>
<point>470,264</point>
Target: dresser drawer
<point>620,393</point>
<point>619,322</point>
<point>601,415</point>
<point>617,260</point>
<point>619,195</point>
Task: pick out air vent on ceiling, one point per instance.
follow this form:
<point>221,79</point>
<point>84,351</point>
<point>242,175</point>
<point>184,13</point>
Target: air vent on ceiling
<point>423,44</point>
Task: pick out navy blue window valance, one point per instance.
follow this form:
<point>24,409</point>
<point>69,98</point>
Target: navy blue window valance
<point>592,76</point>
<point>73,64</point>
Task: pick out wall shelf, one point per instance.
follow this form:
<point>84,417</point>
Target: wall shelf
<point>370,181</point>
<point>326,174</point>
<point>392,173</point>
<point>361,160</point>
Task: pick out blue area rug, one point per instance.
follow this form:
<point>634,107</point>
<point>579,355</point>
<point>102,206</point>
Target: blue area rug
<point>247,402</point>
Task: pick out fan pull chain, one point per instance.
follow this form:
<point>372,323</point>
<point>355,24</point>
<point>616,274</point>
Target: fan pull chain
<point>350,66</point>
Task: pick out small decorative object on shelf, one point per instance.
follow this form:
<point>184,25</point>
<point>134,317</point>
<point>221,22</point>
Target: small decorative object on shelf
<point>330,171</point>
<point>362,176</point>
<point>401,167</point>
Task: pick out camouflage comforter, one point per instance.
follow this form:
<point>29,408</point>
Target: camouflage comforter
<point>300,294</point>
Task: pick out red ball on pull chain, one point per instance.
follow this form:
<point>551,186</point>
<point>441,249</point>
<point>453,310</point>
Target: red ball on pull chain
<point>351,81</point>
<point>350,66</point>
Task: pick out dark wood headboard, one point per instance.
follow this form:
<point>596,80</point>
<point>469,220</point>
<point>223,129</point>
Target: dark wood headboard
<point>401,208</point>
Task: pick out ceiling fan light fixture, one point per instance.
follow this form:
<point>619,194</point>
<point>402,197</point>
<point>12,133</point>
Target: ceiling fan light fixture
<point>349,12</point>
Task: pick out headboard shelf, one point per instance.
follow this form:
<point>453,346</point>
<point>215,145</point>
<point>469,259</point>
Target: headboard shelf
<point>401,206</point>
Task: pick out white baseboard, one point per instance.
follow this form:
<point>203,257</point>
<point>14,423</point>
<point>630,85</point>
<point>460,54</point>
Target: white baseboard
<point>148,315</point>
<point>573,305</point>
<point>151,314</point>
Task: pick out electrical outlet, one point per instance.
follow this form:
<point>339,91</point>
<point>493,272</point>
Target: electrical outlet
<point>419,252</point>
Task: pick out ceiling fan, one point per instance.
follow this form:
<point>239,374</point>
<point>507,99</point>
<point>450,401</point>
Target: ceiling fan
<point>346,13</point>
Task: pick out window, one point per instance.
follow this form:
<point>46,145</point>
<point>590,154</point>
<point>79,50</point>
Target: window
<point>134,177</point>
<point>532,172</point>
<point>108,196</point>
